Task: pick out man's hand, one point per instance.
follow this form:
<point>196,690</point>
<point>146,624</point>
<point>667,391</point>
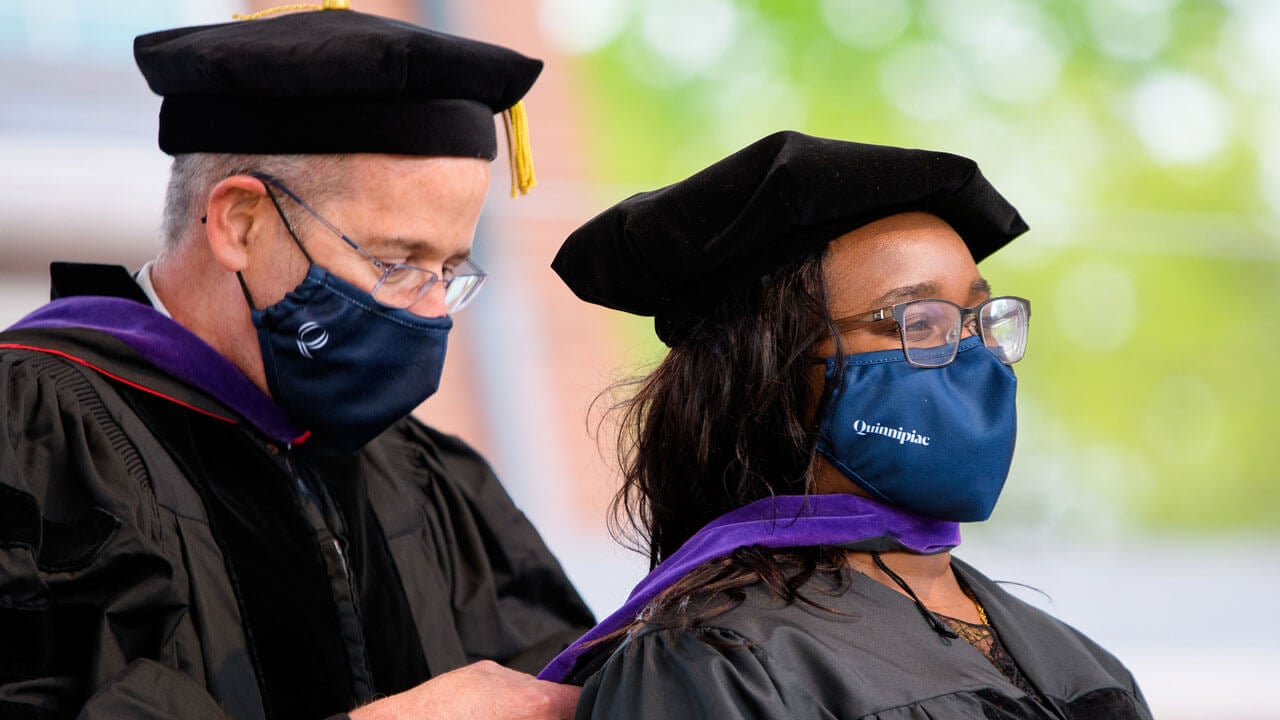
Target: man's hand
<point>481,690</point>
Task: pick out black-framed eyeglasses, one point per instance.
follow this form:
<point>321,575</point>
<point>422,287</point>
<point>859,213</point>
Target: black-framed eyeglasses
<point>400,285</point>
<point>931,328</point>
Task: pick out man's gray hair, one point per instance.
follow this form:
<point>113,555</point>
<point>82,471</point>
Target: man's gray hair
<point>193,176</point>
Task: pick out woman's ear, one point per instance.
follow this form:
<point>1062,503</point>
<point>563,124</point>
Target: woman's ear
<point>238,210</point>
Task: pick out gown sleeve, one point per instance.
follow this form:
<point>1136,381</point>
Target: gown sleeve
<point>511,600</point>
<point>86,601</point>
<point>708,673</point>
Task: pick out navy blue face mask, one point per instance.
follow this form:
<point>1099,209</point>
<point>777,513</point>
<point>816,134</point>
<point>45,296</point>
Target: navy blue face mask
<point>935,441</point>
<point>344,366</point>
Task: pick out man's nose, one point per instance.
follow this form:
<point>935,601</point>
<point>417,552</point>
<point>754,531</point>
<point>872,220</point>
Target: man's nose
<point>432,302</point>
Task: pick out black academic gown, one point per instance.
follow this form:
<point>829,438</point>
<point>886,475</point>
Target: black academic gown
<point>868,654</point>
<point>161,557</point>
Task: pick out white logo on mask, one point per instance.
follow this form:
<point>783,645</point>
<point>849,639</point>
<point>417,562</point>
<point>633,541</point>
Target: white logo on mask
<point>902,436</point>
<point>311,337</point>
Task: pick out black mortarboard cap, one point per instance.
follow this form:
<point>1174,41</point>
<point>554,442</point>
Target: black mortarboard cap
<point>678,251</point>
<point>332,81</point>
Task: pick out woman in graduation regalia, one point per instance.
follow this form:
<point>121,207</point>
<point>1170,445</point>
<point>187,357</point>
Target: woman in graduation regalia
<point>837,398</point>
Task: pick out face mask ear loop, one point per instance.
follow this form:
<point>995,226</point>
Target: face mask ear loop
<point>945,632</point>
<point>245,288</point>
<point>266,185</point>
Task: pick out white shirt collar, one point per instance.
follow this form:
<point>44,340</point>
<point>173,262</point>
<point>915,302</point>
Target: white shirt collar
<point>143,278</point>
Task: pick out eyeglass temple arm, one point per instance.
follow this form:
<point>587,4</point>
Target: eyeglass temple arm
<point>853,321</point>
<point>270,180</point>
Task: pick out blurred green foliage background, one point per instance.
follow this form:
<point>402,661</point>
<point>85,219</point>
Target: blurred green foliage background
<point>1140,139</point>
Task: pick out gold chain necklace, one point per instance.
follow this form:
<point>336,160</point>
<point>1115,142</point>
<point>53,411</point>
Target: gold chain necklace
<point>982,612</point>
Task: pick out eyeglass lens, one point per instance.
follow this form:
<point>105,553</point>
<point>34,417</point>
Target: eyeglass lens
<point>461,289</point>
<point>404,285</point>
<point>931,330</point>
<point>1003,323</point>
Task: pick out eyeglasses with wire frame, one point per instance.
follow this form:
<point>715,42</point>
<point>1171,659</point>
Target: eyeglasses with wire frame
<point>399,285</point>
<point>931,328</point>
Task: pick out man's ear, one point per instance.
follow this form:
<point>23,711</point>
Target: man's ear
<point>238,212</point>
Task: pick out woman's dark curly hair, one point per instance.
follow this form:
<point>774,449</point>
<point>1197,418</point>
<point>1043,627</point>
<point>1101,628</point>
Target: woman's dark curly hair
<point>724,420</point>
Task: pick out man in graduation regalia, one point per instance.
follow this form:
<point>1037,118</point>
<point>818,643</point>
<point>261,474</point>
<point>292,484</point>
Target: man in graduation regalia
<point>213,501</point>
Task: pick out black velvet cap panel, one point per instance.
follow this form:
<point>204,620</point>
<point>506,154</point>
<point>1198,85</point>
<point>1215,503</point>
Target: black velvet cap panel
<point>331,81</point>
<point>676,252</point>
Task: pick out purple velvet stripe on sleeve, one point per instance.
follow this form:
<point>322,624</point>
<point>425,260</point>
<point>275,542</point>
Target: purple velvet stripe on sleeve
<point>173,349</point>
<point>779,522</point>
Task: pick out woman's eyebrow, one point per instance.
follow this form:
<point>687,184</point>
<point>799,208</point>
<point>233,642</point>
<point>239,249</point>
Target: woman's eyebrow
<point>925,290</point>
<point>905,293</point>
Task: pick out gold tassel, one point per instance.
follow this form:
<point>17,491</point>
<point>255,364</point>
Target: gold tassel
<point>326,5</point>
<point>519,149</point>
